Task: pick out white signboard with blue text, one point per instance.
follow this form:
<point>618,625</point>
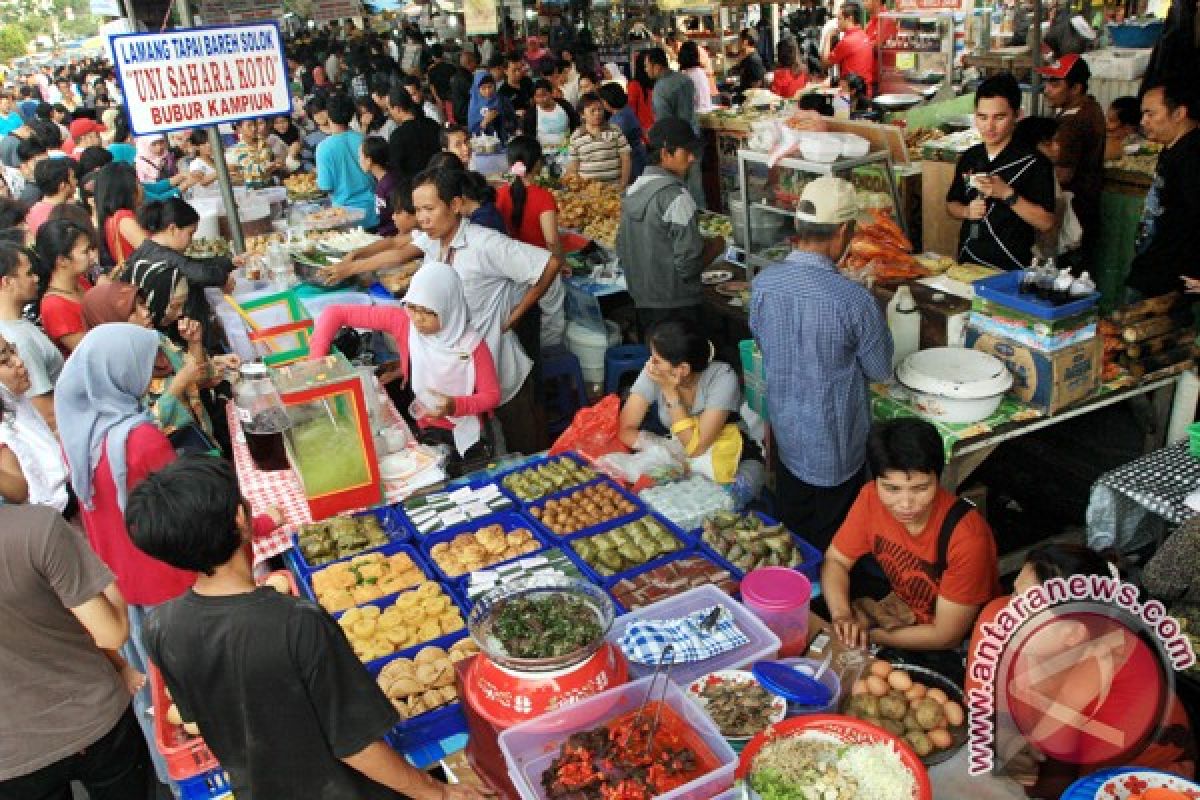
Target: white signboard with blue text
<point>201,76</point>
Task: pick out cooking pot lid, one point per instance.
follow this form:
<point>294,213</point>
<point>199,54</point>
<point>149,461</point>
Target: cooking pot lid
<point>956,372</point>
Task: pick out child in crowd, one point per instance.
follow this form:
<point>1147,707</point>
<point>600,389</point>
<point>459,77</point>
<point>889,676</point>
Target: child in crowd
<point>319,718</point>
<point>598,150</point>
<point>457,140</point>
<point>1122,126</point>
<point>493,114</point>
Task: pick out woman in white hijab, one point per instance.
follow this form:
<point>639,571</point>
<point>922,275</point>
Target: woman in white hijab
<point>446,362</point>
<point>39,466</point>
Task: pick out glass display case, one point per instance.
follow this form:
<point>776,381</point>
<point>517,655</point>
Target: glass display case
<point>329,441</point>
<point>764,213</point>
<point>916,53</point>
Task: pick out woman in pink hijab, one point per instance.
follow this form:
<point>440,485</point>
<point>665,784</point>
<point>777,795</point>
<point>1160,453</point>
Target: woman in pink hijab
<point>156,168</point>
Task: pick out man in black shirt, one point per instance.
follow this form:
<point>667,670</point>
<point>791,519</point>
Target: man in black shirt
<point>750,70</point>
<point>1004,193</point>
<point>517,87</point>
<point>1167,247</point>
<point>416,139</point>
<point>270,679</point>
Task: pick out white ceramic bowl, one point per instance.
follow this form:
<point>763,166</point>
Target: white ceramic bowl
<point>954,384</point>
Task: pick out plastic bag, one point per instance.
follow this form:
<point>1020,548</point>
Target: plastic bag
<point>593,432</point>
<point>656,457</point>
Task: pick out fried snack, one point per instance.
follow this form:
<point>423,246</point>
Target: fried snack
<point>426,681</point>
<point>468,552</point>
<point>415,617</point>
<point>366,578</point>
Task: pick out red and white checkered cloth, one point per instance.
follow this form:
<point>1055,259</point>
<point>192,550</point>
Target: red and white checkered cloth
<point>282,488</point>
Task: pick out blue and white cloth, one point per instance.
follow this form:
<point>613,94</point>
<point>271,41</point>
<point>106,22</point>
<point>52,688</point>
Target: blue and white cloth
<point>645,640</point>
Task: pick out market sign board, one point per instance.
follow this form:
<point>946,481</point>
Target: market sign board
<point>224,12</point>
<point>480,17</point>
<point>191,77</point>
<point>328,10</point>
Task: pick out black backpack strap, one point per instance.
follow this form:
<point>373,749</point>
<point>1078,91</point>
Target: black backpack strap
<point>953,517</point>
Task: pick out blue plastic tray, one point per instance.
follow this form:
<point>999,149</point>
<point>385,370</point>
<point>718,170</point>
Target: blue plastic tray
<point>205,786</point>
<point>304,579</point>
<point>810,568</point>
<point>640,508</point>
<point>687,542</point>
<point>509,520</point>
<point>1005,290</point>
<point>432,726</point>
<point>533,464</point>
<point>393,523</point>
<point>402,512</point>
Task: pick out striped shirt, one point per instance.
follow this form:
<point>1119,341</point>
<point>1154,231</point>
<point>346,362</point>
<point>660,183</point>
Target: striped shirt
<point>598,157</point>
<point>823,337</point>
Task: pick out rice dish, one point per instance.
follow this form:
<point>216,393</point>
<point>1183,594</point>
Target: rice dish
<point>819,768</point>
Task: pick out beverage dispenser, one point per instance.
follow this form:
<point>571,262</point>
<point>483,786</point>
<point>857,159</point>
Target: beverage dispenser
<point>329,441</point>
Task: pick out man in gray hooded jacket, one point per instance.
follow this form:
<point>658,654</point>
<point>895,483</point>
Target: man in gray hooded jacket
<point>659,241</point>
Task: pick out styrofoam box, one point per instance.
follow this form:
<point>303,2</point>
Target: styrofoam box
<point>1123,64</point>
<point>763,643</point>
<point>531,746</point>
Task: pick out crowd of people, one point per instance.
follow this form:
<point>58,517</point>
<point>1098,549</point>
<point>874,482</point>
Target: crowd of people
<point>111,362</point>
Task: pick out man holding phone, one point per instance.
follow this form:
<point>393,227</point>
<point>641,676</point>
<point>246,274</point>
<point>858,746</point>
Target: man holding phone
<point>1003,192</point>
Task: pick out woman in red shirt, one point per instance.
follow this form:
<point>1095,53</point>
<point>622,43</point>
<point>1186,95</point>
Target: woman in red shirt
<point>790,75</point>
<point>118,193</point>
<point>640,91</point>
<point>445,361</point>
<point>66,252</point>
<point>529,210</point>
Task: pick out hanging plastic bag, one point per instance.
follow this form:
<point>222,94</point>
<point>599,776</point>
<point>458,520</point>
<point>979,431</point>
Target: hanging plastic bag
<point>593,432</point>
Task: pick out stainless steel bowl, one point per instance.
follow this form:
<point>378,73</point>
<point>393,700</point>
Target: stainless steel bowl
<point>479,621</point>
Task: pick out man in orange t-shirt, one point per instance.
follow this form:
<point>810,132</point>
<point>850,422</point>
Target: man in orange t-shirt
<point>943,572</point>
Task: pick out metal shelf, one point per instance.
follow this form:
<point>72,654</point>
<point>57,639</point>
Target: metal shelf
<point>774,209</point>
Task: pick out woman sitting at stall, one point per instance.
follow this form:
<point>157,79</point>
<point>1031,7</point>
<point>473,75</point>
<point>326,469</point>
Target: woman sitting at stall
<point>373,157</point>
<point>1105,675</point>
<point>156,168</point>
<point>118,196</point>
<point>202,167</point>
<point>66,252</point>
<point>479,202</point>
<point>489,112</point>
<point>444,360</point>
<point>155,300</point>
<point>32,469</point>
<point>550,120</point>
<point>935,551</point>
<point>696,396</point>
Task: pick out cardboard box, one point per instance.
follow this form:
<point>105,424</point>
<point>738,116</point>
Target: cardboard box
<point>1048,382</point>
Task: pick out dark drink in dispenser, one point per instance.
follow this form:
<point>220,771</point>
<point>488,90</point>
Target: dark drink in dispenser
<point>264,439</point>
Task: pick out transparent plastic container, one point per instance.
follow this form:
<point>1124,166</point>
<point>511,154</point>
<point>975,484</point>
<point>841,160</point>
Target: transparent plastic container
<point>530,747</point>
<point>763,643</point>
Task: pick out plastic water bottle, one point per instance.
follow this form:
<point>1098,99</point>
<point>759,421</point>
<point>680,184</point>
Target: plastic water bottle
<point>751,475</point>
<point>904,321</point>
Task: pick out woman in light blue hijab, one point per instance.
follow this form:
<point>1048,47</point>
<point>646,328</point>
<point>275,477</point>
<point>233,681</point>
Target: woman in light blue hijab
<point>99,396</point>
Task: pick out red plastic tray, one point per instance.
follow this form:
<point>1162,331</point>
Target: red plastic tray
<point>186,755</point>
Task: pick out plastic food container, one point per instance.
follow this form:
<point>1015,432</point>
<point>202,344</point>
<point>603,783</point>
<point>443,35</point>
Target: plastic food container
<point>530,747</point>
<point>954,384</point>
<point>779,597</point>
<point>763,643</point>
<point>810,666</point>
<point>823,149</point>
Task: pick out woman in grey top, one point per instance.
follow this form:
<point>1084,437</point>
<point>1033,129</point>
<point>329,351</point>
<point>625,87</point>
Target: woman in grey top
<point>698,399</point>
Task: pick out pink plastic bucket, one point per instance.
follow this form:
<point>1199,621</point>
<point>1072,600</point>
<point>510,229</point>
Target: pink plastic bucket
<point>779,597</point>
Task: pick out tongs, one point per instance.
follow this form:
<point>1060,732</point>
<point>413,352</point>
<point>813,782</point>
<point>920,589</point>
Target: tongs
<point>665,660</point>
